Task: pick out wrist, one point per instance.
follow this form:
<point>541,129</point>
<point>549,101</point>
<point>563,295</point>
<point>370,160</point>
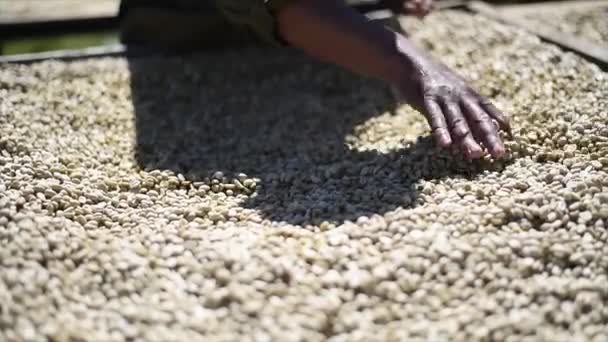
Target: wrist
<point>409,66</point>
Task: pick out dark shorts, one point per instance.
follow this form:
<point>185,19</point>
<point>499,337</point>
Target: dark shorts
<point>170,21</point>
<point>256,16</point>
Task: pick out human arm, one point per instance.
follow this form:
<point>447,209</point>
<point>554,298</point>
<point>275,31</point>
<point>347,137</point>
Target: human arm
<point>333,32</point>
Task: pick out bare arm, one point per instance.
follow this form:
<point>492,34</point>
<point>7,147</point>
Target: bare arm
<point>333,32</point>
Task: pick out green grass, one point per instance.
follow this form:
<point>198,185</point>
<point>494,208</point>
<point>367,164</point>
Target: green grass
<point>61,42</point>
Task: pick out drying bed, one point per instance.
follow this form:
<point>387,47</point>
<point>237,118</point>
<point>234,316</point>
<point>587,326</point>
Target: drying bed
<point>256,195</point>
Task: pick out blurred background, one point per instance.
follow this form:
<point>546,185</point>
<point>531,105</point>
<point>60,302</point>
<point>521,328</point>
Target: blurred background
<point>35,26</point>
<point>30,26</point>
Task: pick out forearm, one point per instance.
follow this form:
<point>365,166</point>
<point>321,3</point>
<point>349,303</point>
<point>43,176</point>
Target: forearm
<point>333,32</point>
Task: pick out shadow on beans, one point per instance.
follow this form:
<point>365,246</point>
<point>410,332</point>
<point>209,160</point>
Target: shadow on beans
<point>278,116</point>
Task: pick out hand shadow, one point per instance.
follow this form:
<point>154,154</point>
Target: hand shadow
<point>278,116</point>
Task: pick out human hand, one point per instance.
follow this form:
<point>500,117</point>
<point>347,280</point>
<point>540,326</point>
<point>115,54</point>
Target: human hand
<point>336,33</point>
<point>459,116</point>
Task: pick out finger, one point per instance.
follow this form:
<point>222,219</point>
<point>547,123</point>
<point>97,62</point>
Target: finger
<point>410,7</point>
<point>436,119</point>
<point>471,148</point>
<point>460,131</point>
<point>503,120</point>
<point>414,7</point>
<point>483,128</point>
<point>427,6</point>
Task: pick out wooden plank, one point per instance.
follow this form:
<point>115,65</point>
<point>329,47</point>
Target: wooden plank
<point>50,28</point>
<point>116,50</point>
<point>35,11</point>
<point>593,52</point>
<point>30,18</point>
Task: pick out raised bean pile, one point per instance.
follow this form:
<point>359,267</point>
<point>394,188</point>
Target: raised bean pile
<point>254,195</point>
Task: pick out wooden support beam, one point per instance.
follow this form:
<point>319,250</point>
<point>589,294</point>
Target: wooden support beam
<point>16,30</point>
<point>116,50</point>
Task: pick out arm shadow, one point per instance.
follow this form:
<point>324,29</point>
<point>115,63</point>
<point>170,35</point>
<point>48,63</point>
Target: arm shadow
<point>278,116</point>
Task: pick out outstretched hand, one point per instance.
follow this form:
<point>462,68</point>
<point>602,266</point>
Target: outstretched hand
<point>333,32</point>
<point>459,116</point>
